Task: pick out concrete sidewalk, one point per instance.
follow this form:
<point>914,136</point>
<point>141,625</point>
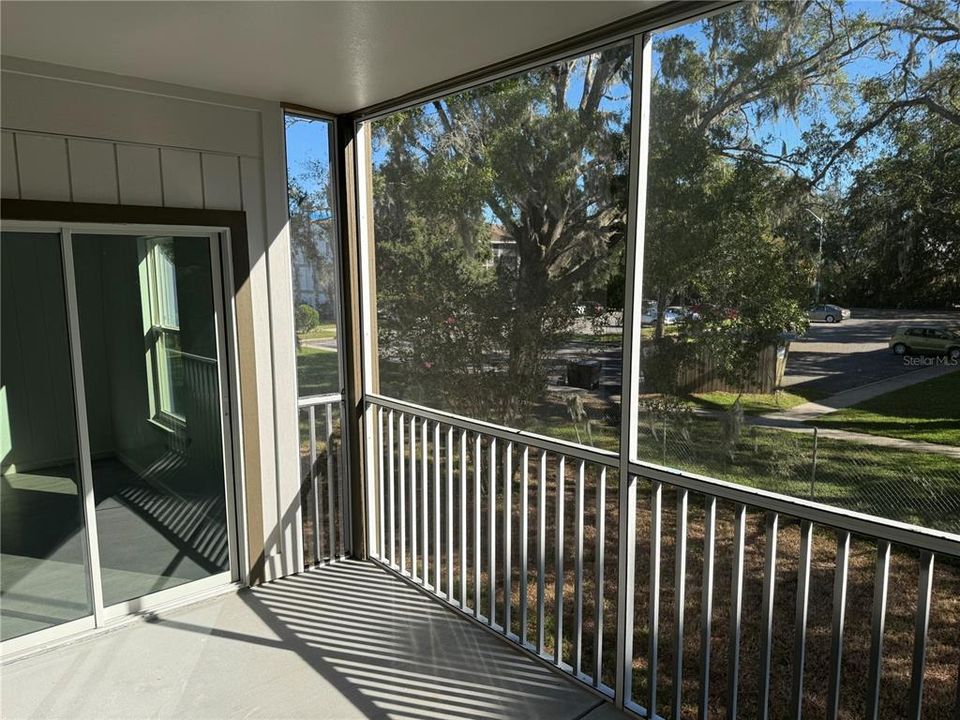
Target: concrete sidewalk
<point>851,436</point>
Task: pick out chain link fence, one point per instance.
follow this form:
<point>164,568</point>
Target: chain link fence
<point>899,483</point>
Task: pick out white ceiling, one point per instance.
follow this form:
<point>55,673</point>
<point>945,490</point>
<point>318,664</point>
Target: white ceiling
<point>335,56</point>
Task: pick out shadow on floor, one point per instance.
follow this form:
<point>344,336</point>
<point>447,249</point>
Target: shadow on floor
<point>391,652</point>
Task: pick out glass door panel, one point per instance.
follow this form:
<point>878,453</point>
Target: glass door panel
<point>151,378</point>
<point>43,568</point>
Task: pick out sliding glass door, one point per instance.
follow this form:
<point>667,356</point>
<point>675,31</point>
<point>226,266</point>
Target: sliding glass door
<point>116,474</point>
<point>44,564</point>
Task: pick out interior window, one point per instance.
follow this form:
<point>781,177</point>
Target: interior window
<point>161,318</point>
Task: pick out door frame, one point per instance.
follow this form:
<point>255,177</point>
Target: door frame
<point>233,313</point>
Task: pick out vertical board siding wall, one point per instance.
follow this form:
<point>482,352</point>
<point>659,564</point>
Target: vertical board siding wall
<point>40,166</point>
<point>80,136</point>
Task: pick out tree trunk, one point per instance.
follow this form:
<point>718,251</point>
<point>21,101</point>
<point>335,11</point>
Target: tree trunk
<point>661,307</point>
<point>526,340</point>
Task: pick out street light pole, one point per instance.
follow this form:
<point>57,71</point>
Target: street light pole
<point>819,219</point>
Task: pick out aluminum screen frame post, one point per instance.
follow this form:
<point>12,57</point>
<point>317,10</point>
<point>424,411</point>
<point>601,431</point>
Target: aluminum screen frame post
<point>627,491</point>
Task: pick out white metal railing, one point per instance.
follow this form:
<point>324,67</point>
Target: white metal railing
<point>834,525</point>
<point>513,530</point>
<point>201,379</point>
<point>456,502</point>
<point>325,491</point>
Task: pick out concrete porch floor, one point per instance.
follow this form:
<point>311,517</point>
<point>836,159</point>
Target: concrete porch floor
<point>344,641</point>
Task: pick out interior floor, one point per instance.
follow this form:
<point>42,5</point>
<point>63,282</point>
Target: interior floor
<point>150,539</point>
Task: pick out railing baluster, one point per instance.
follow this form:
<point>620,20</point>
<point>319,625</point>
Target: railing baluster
<point>800,625</point>
<point>839,610</point>
<point>393,497</point>
<point>492,536</point>
<point>680,600</point>
<point>507,531</point>
<point>328,431</point>
<point>343,492</point>
<point>403,493</point>
<point>437,565</point>
<point>413,497</point>
<point>599,540</point>
<point>541,550</point>
<point>558,565</point>
<point>476,526</point>
<point>463,519</point>
<point>380,474</point>
<point>766,611</point>
<point>736,609</point>
<point>524,535</point>
<point>450,513</point>
<point>578,571</point>
<point>315,485</point>
<point>425,502</point>
<point>653,648</point>
<point>706,603</point>
<point>877,627</point>
<point>924,591</point>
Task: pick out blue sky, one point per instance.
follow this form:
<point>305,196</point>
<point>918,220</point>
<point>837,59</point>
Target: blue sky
<point>307,139</point>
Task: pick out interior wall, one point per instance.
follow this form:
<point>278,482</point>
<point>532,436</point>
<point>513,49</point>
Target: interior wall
<point>37,396</point>
<point>78,136</point>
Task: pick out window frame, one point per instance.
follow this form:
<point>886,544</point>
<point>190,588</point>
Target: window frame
<point>159,383</point>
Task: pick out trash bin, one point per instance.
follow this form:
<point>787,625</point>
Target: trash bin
<point>584,373</point>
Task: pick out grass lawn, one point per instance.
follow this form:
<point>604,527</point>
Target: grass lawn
<point>928,411</point>
<point>317,371</point>
<point>898,484</point>
<point>324,331</point>
<point>647,331</point>
<point>752,403</point>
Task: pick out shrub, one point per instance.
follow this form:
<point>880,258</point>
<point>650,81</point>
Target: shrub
<point>306,318</point>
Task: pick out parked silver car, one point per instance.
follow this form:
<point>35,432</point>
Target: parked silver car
<point>828,313</point>
<point>671,316</point>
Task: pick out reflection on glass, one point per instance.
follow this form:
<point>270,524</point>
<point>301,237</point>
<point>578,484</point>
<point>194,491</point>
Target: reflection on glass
<point>43,578</point>
<point>312,238</point>
<point>151,379</point>
<point>499,217</point>
<point>780,194</point>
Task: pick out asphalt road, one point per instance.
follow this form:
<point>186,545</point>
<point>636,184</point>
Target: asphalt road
<point>832,358</point>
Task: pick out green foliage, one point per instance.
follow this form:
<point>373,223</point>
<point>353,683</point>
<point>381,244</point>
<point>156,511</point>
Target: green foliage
<point>306,318</point>
<point>898,241</point>
<point>543,157</point>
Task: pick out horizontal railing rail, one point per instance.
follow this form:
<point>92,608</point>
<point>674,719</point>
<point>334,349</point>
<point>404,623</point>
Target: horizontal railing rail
<point>938,541</point>
<point>519,532</point>
<point>596,455</point>
<point>315,400</point>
